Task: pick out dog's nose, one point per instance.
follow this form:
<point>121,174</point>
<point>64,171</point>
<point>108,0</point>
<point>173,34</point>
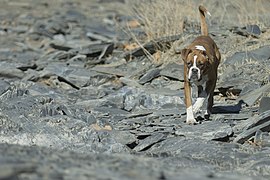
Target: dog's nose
<point>194,70</point>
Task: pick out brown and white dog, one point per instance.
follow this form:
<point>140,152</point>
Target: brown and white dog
<point>201,59</point>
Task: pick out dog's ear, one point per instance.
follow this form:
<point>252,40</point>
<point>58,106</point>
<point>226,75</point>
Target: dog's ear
<point>184,53</point>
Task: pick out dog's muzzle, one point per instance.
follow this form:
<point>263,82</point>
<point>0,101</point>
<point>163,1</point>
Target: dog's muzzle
<point>194,73</point>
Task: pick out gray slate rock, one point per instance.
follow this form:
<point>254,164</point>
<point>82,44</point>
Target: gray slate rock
<point>74,76</point>
<point>73,15</point>
<point>13,170</point>
<point>153,46</point>
<point>264,104</point>
<point>252,97</point>
<point>249,30</point>
<point>153,73</point>
<point>208,130</point>
<point>253,29</point>
<point>99,29</point>
<point>10,71</point>
<point>154,99</point>
<point>174,71</point>
<point>51,27</point>
<point>96,50</point>
<point>54,164</point>
<point>149,141</point>
<point>250,87</point>
<point>195,149</point>
<point>254,124</point>
<point>260,54</point>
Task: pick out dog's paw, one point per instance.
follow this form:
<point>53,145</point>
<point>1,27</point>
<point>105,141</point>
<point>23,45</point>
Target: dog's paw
<point>191,121</point>
<point>206,115</point>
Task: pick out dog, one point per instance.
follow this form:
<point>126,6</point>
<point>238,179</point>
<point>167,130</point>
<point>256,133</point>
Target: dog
<point>201,59</point>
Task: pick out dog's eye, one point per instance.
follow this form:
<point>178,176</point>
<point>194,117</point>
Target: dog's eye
<point>189,64</point>
<point>200,64</point>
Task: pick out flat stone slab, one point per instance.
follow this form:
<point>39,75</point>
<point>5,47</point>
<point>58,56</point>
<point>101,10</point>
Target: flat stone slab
<point>260,54</point>
<point>254,124</point>
<point>174,71</point>
<point>208,130</point>
<point>253,96</point>
<point>264,104</point>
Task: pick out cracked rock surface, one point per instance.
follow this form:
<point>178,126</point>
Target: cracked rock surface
<point>76,104</point>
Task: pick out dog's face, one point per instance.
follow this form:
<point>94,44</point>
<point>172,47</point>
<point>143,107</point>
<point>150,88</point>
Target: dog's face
<point>196,61</point>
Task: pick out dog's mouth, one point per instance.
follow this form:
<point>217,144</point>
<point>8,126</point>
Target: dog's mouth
<point>194,79</point>
<point>194,74</point>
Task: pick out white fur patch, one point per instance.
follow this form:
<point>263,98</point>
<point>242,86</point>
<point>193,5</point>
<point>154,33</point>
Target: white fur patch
<point>198,104</point>
<point>199,47</point>
<point>194,66</point>
<point>208,13</point>
<point>207,112</point>
<point>190,116</point>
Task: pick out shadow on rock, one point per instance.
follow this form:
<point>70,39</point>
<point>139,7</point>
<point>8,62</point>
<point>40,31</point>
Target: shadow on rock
<point>228,108</point>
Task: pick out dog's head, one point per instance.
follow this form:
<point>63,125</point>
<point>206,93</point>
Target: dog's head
<point>196,61</point>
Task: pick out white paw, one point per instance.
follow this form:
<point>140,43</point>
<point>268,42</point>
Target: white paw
<point>191,121</point>
<point>207,114</point>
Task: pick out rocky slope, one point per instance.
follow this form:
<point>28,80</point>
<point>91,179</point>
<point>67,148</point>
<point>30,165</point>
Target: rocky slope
<point>75,103</point>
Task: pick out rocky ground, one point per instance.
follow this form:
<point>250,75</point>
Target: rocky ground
<point>78,101</point>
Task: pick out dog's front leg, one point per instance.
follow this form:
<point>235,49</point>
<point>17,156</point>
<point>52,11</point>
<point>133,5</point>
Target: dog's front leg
<point>204,102</point>
<point>200,101</point>
<point>190,116</point>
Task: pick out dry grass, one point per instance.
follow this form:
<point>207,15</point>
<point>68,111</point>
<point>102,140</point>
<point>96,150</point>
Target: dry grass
<point>160,18</point>
<point>243,12</point>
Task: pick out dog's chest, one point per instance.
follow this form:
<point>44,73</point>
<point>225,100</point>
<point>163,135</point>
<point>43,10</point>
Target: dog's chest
<point>202,82</point>
<point>198,86</point>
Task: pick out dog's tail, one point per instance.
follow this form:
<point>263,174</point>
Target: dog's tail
<point>203,12</point>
